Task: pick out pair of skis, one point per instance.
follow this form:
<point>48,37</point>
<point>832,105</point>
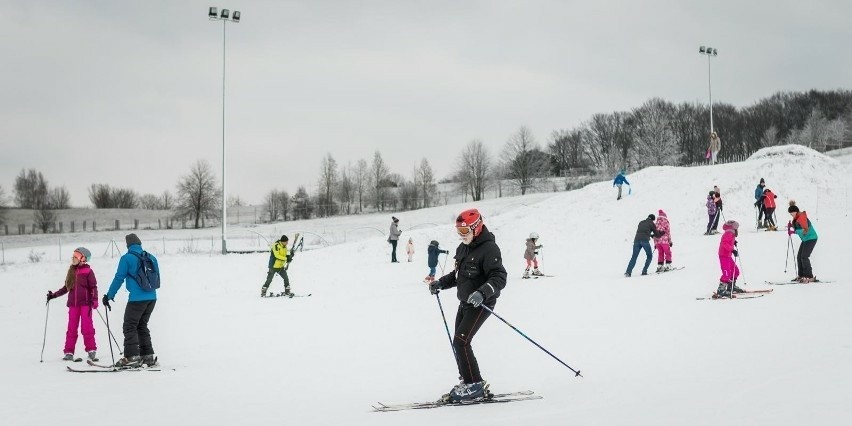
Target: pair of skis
<point>670,270</point>
<point>747,294</point>
<point>283,294</point>
<point>796,282</point>
<point>500,398</point>
<point>100,368</point>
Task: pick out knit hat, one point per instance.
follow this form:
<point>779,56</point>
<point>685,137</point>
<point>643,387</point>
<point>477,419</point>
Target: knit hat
<point>284,238</point>
<point>394,219</point>
<point>434,243</point>
<point>132,239</point>
<point>712,193</point>
<point>793,209</point>
<point>661,213</point>
<point>731,224</point>
<point>652,217</point>
<point>85,252</point>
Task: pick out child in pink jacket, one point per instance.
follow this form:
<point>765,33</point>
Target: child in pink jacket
<point>82,289</point>
<point>663,242</point>
<point>727,253</point>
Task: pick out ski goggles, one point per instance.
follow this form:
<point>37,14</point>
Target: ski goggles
<point>463,230</point>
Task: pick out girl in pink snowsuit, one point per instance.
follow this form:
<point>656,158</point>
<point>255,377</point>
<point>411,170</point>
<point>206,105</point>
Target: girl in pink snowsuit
<point>663,242</point>
<point>82,289</point>
<point>727,252</point>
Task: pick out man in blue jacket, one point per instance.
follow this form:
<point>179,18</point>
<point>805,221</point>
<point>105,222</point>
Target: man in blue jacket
<point>620,180</point>
<point>137,338</point>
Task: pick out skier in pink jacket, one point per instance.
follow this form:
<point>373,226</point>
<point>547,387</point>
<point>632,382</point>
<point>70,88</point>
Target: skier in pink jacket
<point>663,242</point>
<point>82,289</point>
<point>727,253</point>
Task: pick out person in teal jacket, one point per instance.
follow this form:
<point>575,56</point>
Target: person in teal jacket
<point>138,349</point>
<point>620,180</point>
<point>802,226</point>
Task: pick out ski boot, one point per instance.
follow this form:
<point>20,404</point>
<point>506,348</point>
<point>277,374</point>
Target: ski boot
<point>149,360</point>
<point>468,392</point>
<point>738,290</point>
<point>627,275</point>
<point>93,356</point>
<point>668,267</point>
<point>445,398</point>
<point>537,273</point>
<point>526,274</point>
<point>660,268</point>
<point>724,291</point>
<point>129,362</point>
<point>287,292</point>
<point>68,357</point>
<point>263,292</point>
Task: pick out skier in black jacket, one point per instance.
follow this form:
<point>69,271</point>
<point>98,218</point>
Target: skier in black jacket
<point>644,232</point>
<point>478,276</point>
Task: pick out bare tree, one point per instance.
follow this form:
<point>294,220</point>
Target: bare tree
<point>653,139</point>
<point>566,150</point>
<point>30,189</point>
<point>45,216</point>
<point>473,169</point>
<point>425,180</point>
<point>2,205</point>
<point>167,200</point>
<point>124,198</point>
<point>602,141</point>
<point>99,195</point>
<point>277,204</point>
<point>525,162</point>
<point>197,193</point>
<point>235,201</point>
<point>60,198</point>
<point>346,188</point>
<point>378,179</point>
<point>149,202</point>
<point>327,185</point>
<point>362,177</point>
<point>300,204</point>
<point>770,137</point>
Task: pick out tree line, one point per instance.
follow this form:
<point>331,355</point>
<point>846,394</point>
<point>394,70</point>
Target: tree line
<point>657,132</point>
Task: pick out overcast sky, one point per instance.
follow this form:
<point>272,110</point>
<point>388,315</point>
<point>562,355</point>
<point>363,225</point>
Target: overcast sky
<point>129,93</point>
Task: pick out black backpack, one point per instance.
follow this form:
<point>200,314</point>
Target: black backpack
<point>146,275</point>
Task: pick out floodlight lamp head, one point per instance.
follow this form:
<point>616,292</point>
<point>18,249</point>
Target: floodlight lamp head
<point>701,49</point>
<point>236,16</point>
<point>715,52</point>
<point>225,13</point>
<point>213,13</point>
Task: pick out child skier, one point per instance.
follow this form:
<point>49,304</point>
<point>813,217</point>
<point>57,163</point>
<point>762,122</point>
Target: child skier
<point>711,212</point>
<point>769,210</point>
<point>82,289</point>
<point>663,242</point>
<point>409,248</point>
<point>802,226</point>
<point>434,251</point>
<point>727,253</point>
<point>529,255</point>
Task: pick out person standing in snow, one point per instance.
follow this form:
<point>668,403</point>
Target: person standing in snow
<point>82,289</point>
<point>478,276</point>
<point>769,209</point>
<point>409,248</point>
<point>715,147</point>
<point>434,251</point>
<point>393,238</point>
<point>717,199</point>
<point>758,202</point>
<point>802,226</point>
<point>663,242</point>
<point>727,252</point>
<point>711,212</point>
<point>278,260</point>
<point>620,180</point>
<point>138,349</point>
<point>644,232</point>
<point>530,255</point>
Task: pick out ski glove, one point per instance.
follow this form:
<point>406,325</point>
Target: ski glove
<point>105,302</point>
<point>476,298</point>
<point>434,287</point>
<point>50,295</point>
<point>735,253</point>
<point>671,243</point>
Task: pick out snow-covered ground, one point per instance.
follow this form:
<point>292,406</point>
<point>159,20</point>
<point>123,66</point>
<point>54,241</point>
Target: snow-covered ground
<point>649,352</point>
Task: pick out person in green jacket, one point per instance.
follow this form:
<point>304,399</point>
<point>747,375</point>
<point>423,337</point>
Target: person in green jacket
<point>802,226</point>
<point>278,259</point>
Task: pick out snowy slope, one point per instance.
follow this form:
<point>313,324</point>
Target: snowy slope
<point>650,353</point>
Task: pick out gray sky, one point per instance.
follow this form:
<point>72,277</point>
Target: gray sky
<point>129,93</point>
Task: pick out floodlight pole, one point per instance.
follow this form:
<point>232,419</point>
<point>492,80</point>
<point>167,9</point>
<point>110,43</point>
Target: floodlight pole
<point>709,51</point>
<point>224,18</point>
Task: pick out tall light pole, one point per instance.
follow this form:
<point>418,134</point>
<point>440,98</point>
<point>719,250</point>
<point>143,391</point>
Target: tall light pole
<point>710,52</point>
<point>225,17</point>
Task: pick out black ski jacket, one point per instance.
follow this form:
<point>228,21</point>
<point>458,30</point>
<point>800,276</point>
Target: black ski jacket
<point>479,267</point>
<point>645,230</point>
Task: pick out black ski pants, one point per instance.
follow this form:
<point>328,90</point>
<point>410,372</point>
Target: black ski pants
<point>770,216</point>
<point>803,258</point>
<point>271,274</point>
<point>137,337</point>
<point>468,321</point>
<point>716,219</point>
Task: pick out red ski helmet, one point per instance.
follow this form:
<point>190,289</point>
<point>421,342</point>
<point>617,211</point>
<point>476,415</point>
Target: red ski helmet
<point>469,220</point>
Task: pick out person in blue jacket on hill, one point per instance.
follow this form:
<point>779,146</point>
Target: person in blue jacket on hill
<point>620,180</point>
<point>758,202</point>
<point>138,349</point>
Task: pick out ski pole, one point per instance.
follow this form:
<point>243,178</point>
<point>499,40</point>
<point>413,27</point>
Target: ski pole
<point>577,372</point>
<point>787,258</point>
<point>112,337</point>
<point>44,340</point>
<point>111,355</point>
<point>446,327</point>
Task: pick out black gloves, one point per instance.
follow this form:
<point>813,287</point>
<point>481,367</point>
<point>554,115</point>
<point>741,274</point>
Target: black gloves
<point>735,253</point>
<point>50,295</point>
<point>105,302</point>
<point>434,287</point>
<point>289,257</point>
<point>476,298</point>
<point>671,243</point>
<point>444,251</point>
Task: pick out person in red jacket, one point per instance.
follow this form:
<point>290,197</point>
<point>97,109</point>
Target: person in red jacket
<point>769,210</point>
<point>82,289</point>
